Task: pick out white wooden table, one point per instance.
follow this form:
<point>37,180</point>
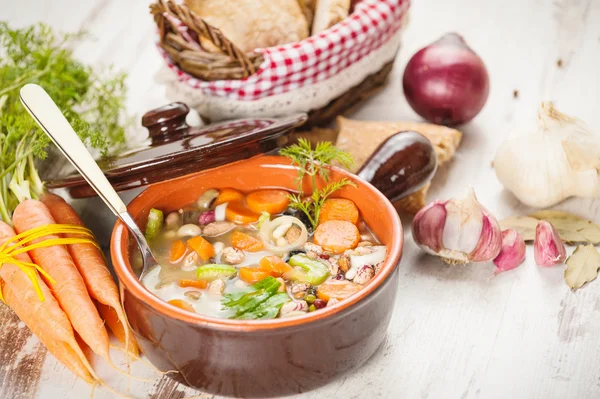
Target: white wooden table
<point>455,333</point>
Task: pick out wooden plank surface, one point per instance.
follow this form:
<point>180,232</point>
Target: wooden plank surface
<point>455,333</point>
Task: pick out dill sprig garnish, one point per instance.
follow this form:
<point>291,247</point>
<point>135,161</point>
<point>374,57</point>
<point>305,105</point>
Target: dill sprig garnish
<point>316,163</point>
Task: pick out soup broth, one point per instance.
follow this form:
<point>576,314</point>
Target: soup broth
<point>251,256</point>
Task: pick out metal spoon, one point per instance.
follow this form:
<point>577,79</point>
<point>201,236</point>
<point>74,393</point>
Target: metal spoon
<point>45,112</point>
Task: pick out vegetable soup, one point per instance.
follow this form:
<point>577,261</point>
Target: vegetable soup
<point>252,256</point>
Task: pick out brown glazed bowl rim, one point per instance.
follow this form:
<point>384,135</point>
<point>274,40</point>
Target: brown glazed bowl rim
<point>130,281</point>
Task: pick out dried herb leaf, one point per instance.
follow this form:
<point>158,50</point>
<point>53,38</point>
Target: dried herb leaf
<point>570,227</point>
<point>575,229</point>
<point>524,225</point>
<point>582,266</point>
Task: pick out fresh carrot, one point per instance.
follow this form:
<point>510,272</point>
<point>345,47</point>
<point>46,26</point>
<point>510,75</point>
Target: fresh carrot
<point>252,275</point>
<point>238,212</point>
<point>70,289</point>
<point>203,248</point>
<point>246,242</point>
<point>45,318</point>
<point>338,289</point>
<point>228,195</point>
<point>270,201</point>
<point>90,263</point>
<point>337,236</point>
<point>273,265</point>
<point>182,305</point>
<point>338,209</point>
<point>178,250</point>
<point>201,284</point>
<point>111,317</point>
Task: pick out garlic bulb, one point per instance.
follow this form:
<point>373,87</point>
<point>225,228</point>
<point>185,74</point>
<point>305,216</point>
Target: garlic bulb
<point>458,231</point>
<point>559,159</point>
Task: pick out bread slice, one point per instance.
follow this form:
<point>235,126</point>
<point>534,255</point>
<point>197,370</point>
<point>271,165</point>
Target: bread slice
<point>329,13</point>
<point>361,138</point>
<point>308,9</point>
<point>251,24</point>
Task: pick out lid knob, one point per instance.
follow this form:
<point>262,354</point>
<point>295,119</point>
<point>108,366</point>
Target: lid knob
<point>166,122</point>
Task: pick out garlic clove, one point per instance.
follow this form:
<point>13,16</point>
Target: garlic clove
<point>464,224</point>
<point>548,248</point>
<point>490,242</point>
<point>512,253</point>
<point>459,231</point>
<point>426,226</point>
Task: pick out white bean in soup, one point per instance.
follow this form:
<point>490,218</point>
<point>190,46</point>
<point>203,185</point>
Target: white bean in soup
<point>258,265</point>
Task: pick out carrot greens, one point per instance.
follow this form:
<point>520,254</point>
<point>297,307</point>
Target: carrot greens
<point>91,101</point>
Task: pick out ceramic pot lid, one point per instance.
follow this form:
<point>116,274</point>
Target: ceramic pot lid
<point>174,149</point>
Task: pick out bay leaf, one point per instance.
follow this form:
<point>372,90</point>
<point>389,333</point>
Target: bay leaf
<point>571,228</point>
<point>582,266</point>
<point>524,225</point>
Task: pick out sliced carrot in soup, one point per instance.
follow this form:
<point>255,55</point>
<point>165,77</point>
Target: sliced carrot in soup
<point>337,236</point>
<point>178,249</point>
<point>228,195</point>
<point>246,242</point>
<point>203,248</point>
<point>273,265</point>
<point>252,275</point>
<point>201,284</point>
<point>338,209</point>
<point>238,212</point>
<point>338,289</point>
<point>271,201</point>
<point>182,305</point>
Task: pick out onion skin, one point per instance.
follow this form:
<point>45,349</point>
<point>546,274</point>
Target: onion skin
<point>446,82</point>
<point>268,226</point>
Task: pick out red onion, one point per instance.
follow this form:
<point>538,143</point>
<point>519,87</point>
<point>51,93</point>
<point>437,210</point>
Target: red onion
<point>446,82</point>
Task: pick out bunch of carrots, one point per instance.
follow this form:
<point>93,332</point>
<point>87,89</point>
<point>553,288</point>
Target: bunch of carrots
<point>55,278</point>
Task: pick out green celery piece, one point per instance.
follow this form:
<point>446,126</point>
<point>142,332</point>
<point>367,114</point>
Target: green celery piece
<point>214,271</point>
<point>316,271</point>
<point>269,309</point>
<point>265,216</point>
<point>155,223</point>
<point>296,274</point>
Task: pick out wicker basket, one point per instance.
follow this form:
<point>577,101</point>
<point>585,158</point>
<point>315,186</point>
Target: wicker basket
<point>187,52</point>
<point>223,82</point>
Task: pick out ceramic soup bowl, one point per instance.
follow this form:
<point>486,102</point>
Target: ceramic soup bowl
<point>260,358</point>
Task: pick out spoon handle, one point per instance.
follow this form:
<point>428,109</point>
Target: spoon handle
<point>45,112</point>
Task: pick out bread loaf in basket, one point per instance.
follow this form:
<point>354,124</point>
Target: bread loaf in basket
<point>323,74</point>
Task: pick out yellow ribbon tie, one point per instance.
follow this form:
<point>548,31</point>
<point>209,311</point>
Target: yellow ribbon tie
<point>22,243</point>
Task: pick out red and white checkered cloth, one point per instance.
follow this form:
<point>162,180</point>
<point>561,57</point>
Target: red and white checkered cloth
<point>311,60</point>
